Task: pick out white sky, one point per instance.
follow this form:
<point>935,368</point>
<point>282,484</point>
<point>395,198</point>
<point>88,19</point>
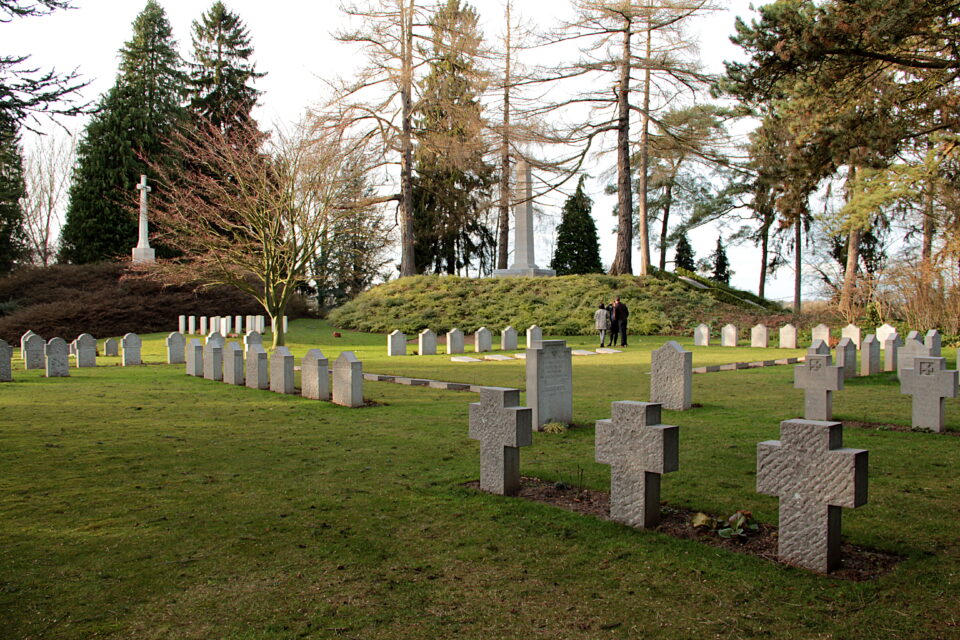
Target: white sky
<point>293,45</point>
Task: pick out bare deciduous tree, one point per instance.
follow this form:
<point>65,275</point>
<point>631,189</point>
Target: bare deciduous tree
<point>48,170</point>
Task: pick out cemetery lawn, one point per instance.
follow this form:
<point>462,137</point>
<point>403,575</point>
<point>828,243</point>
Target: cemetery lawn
<point>143,503</point>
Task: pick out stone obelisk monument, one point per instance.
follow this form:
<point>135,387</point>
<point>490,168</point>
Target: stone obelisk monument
<point>523,263</point>
<point>142,253</point>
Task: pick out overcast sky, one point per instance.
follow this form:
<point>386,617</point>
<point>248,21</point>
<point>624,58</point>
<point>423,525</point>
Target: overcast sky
<point>293,45</point>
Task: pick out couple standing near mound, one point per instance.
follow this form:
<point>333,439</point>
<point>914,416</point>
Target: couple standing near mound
<point>612,318</point>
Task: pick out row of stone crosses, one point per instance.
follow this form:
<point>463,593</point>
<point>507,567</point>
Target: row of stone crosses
<point>226,325</point>
<point>482,341</point>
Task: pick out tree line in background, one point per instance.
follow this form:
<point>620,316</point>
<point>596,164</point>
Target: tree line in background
<point>856,135</point>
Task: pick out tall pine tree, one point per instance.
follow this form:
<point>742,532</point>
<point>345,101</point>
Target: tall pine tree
<point>683,256</point>
<point>721,265</point>
<point>13,241</point>
<point>134,121</point>
<point>578,248</point>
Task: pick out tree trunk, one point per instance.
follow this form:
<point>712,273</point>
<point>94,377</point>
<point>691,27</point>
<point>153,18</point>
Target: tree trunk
<point>503,238</point>
<point>407,265</point>
<point>279,337</point>
<point>668,202</point>
<point>926,250</point>
<point>642,169</point>
<point>797,264</point>
<point>850,274</point>
<point>764,256</point>
<point>622,262</point>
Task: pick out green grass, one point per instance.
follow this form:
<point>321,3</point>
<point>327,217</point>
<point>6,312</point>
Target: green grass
<point>143,503</point>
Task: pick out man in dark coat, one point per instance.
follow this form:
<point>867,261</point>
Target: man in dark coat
<point>619,321</point>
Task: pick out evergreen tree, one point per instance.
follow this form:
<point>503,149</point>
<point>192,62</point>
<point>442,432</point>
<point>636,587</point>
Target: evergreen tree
<point>13,241</point>
<point>220,73</point>
<point>683,258</point>
<point>721,266</point>
<point>134,121</point>
<point>578,248</point>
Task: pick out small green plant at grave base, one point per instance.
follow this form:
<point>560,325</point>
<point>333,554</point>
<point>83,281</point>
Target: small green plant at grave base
<point>740,525</point>
<point>555,427</point>
<point>578,485</point>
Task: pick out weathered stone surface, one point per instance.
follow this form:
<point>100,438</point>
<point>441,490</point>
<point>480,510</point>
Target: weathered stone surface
<point>464,359</point>
<point>315,375</point>
<point>870,356</point>
<point>821,332</point>
<point>759,336</point>
<point>819,348</point>
<point>534,336</point>
<point>482,340</point>
<point>814,476</point>
<point>216,339</point>
<point>130,350</point>
<point>23,344</point>
<point>502,426</point>
<point>281,371</point>
<point>33,349</point>
<point>890,349</point>
<point>933,342</point>
<point>930,384</point>
<point>788,337</point>
<point>847,357</point>
<point>639,450</point>
<point>427,343</point>
<point>671,375</point>
<point>604,350</point>
<point>348,380</point>
<point>819,379</point>
<point>111,347</point>
<point>57,358</point>
<point>176,344</point>
<point>257,367</point>
<point>884,331</point>
<point>6,362</point>
<point>499,357</point>
<point>233,369</point>
<point>508,339</point>
<point>550,383</point>
<point>252,338</point>
<point>913,347</point>
<point>397,344</point>
<point>194,358</point>
<point>213,360</point>
<point>454,341</point>
<point>86,351</point>
<point>851,331</point>
<point>701,336</point>
<point>729,336</point>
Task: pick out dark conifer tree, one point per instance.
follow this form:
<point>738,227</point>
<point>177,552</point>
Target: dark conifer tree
<point>578,247</point>
<point>134,122</point>
<point>13,241</point>
<point>721,266</point>
<point>684,258</point>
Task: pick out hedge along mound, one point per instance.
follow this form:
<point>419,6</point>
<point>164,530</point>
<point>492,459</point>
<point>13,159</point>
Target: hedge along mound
<point>106,299</point>
<point>658,304</point>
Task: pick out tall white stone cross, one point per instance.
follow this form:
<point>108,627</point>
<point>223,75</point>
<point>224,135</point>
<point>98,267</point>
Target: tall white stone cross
<point>142,253</point>
<point>814,477</point>
<point>639,450</point>
<point>930,384</point>
<point>502,427</point>
<point>818,379</point>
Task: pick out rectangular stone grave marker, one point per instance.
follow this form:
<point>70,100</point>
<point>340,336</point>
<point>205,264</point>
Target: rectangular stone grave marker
<point>851,331</point>
<point>57,358</point>
<point>502,426</point>
<point>671,376</point>
<point>233,370</point>
<point>427,343</point>
<point>86,351</point>
<point>348,380</point>
<point>250,324</point>
<point>252,337</point>
<point>821,332</point>
<point>534,336</point>
<point>182,324</point>
<point>397,344</point>
<point>6,362</point>
<point>176,345</point>
<point>226,326</point>
<point>701,336</point>
<point>204,325</point>
<point>930,384</point>
<point>870,356</point>
<point>639,450</point>
<point>814,477</point>
<point>130,349</point>
<point>23,344</point>
<point>933,342</point>
<point>884,331</point>
<point>913,347</point>
<point>215,325</point>
<point>759,336</point>
<point>194,358</point>
<point>281,371</point>
<point>33,352</point>
<point>192,325</point>
<point>454,341</point>
<point>213,360</point>
<point>258,376</point>
<point>890,348</point>
<point>315,375</point>
<point>819,379</point>
<point>847,357</point>
<point>788,337</point>
<point>238,325</point>
<point>550,383</point>
<point>508,339</point>
<point>482,340</point>
<point>728,336</point>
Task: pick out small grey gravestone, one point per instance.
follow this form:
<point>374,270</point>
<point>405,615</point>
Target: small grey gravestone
<point>729,336</point>
<point>23,344</point>
<point>194,358</point>
<point>819,348</point>
<point>550,383</point>
<point>213,360</point>
<point>933,342</point>
<point>639,450</point>
<point>884,331</point>
<point>233,371</point>
<point>788,337</point>
<point>671,374</point>
<point>176,346</point>
<point>482,340</point>
<point>57,358</point>
<point>820,332</point>
<point>315,375</point>
<point>701,336</point>
<point>204,325</point>
<point>6,362</point>
<point>111,348</point>
<point>130,348</point>
<point>870,356</point>
<point>851,331</point>
<point>930,384</point>
<point>454,341</point>
<point>33,350</point>
<point>534,336</point>
<point>913,347</point>
<point>890,348</point>
<point>348,380</point>
<point>847,357</point>
<point>502,426</point>
<point>427,343</point>
<point>191,325</point>
<point>281,371</point>
<point>257,367</point>
<point>397,343</point>
<point>86,351</point>
<point>508,339</point>
<point>759,336</point>
<point>819,379</point>
<point>252,337</point>
<point>182,324</point>
<point>814,477</point>
<point>216,339</point>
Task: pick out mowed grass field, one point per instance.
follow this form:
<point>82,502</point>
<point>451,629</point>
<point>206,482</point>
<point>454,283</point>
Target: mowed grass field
<point>143,503</point>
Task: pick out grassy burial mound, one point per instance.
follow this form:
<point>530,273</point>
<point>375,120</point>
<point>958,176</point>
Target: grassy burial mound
<point>659,304</point>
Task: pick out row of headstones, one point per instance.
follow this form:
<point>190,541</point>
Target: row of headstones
<point>807,468</point>
<point>225,325</point>
<point>482,341</point>
<point>760,335</point>
<point>54,355</point>
<point>224,361</point>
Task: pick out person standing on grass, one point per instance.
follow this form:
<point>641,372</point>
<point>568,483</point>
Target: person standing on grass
<point>601,322</point>
<point>614,331</point>
<point>619,324</point>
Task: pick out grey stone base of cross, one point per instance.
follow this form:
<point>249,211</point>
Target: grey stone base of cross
<point>501,426</point>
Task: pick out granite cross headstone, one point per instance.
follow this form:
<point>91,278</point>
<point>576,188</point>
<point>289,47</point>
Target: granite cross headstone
<point>502,426</point>
<point>930,384</point>
<point>818,379</point>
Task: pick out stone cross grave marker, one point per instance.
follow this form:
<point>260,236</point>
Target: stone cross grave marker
<point>427,343</point>
<point>482,340</point>
<point>502,426</point>
<point>550,383</point>
<point>820,332</point>
<point>729,336</point>
<point>233,371</point>
<point>852,331</point>
<point>142,253</point>
<point>933,341</point>
<point>130,346</point>
<point>870,356</point>
<point>671,374</point>
<point>454,341</point>
<point>788,337</point>
<point>930,384</point>
<point>701,336</point>
<point>348,380</point>
<point>913,347</point>
<point>397,343</point>
<point>213,359</point>
<point>508,339</point>
<point>33,352</point>
<point>639,450</point>
<point>315,375</point>
<point>818,379</point>
<point>257,373</point>
<point>847,357</point>
<point>759,336</point>
<point>890,349</point>
<point>176,345</point>
<point>194,358</point>
<point>86,351</point>
<point>884,331</point>
<point>534,336</point>
<point>111,347</point>
<point>814,476</point>
<point>6,362</point>
<point>281,371</point>
<point>57,358</point>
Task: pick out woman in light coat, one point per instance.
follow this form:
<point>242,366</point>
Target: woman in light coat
<point>601,322</point>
